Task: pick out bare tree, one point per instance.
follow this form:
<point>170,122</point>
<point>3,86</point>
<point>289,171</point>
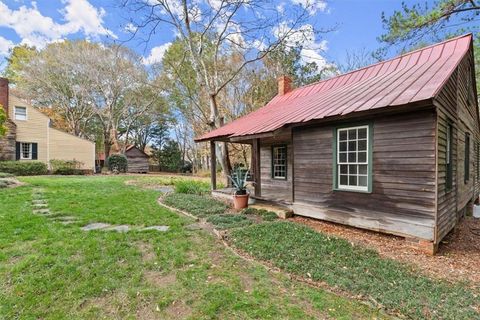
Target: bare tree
<point>249,29</point>
<point>55,77</point>
<point>356,59</point>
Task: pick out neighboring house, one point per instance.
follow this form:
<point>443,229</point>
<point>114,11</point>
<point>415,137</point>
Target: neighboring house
<point>392,147</point>
<point>36,139</point>
<point>137,160</point>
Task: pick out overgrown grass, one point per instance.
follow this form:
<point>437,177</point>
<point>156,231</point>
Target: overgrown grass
<point>302,251</point>
<point>228,221</point>
<point>265,214</point>
<point>198,205</point>
<point>192,187</point>
<point>54,271</point>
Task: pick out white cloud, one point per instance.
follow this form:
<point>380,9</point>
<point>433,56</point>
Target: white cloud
<point>312,6</point>
<point>35,29</point>
<point>156,54</point>
<point>82,16</point>
<point>130,28</point>
<point>304,37</point>
<point>5,45</point>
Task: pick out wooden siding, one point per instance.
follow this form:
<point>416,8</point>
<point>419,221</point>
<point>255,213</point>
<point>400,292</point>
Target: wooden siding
<point>275,189</point>
<point>402,200</point>
<point>32,130</point>
<point>137,161</point>
<point>52,143</point>
<point>456,105</point>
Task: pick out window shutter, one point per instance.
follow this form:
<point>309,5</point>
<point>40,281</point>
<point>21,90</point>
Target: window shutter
<point>34,151</point>
<point>17,151</point>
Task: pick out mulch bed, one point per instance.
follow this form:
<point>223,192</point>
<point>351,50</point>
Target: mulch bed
<point>458,258</point>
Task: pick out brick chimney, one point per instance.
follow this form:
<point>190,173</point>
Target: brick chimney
<point>284,85</point>
<point>4,94</point>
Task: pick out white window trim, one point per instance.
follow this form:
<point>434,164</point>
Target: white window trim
<point>30,151</point>
<point>15,113</point>
<point>273,164</point>
<point>347,187</point>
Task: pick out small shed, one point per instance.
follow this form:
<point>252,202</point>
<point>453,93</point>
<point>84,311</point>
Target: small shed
<point>137,160</point>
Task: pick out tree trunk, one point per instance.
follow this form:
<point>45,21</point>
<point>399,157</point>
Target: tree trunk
<point>216,121</point>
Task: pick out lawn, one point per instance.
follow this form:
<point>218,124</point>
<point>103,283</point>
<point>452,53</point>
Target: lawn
<point>49,270</point>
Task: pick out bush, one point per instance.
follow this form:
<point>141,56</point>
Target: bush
<point>24,168</point>
<point>66,167</point>
<point>265,214</point>
<point>200,206</point>
<point>192,187</point>
<point>117,163</point>
<point>227,221</point>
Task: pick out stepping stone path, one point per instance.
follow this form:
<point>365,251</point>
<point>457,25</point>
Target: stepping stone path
<point>40,207</point>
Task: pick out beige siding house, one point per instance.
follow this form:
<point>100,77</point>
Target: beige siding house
<point>36,140</point>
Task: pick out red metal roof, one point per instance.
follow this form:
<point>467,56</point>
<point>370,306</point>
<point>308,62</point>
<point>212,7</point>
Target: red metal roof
<point>415,76</point>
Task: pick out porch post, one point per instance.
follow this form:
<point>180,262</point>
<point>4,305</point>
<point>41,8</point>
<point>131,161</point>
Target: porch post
<point>256,166</point>
<point>213,165</point>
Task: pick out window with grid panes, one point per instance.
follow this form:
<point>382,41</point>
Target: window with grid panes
<point>352,158</point>
<point>279,162</point>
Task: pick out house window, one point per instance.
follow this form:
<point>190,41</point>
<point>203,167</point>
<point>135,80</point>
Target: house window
<point>20,113</point>
<point>448,158</point>
<point>467,158</point>
<point>352,158</point>
<point>279,162</point>
<point>25,151</point>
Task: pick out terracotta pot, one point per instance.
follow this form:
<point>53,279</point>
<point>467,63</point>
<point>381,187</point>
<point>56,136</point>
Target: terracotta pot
<point>240,201</point>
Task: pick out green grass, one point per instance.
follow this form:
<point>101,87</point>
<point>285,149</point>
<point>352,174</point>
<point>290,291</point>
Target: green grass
<point>54,271</point>
<point>200,206</point>
<point>265,214</point>
<point>302,251</point>
<point>228,221</point>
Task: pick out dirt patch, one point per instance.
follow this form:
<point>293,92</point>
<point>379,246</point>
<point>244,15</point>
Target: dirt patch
<point>458,254</point>
<point>247,281</point>
<point>178,310</point>
<point>110,305</point>
<point>160,280</point>
<point>147,251</point>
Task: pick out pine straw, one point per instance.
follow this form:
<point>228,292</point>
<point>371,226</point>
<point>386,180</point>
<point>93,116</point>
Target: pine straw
<point>457,259</point>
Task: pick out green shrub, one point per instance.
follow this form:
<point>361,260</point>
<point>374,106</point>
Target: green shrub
<point>227,221</point>
<point>192,187</point>
<point>200,206</point>
<point>23,168</point>
<point>117,163</point>
<point>265,214</point>
<point>66,167</point>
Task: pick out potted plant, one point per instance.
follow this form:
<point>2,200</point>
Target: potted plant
<point>240,195</point>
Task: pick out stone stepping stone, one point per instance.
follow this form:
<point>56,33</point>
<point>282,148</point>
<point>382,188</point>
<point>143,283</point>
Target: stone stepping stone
<point>120,228</point>
<point>95,226</point>
<point>157,228</point>
<point>164,189</point>
<point>39,201</point>
<point>40,205</point>
<point>68,222</point>
<point>41,211</point>
<point>193,227</point>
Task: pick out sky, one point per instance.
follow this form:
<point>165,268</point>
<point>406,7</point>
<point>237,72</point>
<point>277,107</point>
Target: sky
<point>357,25</point>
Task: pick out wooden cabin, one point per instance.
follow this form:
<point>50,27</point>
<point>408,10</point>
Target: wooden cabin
<point>137,160</point>
<point>392,147</point>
